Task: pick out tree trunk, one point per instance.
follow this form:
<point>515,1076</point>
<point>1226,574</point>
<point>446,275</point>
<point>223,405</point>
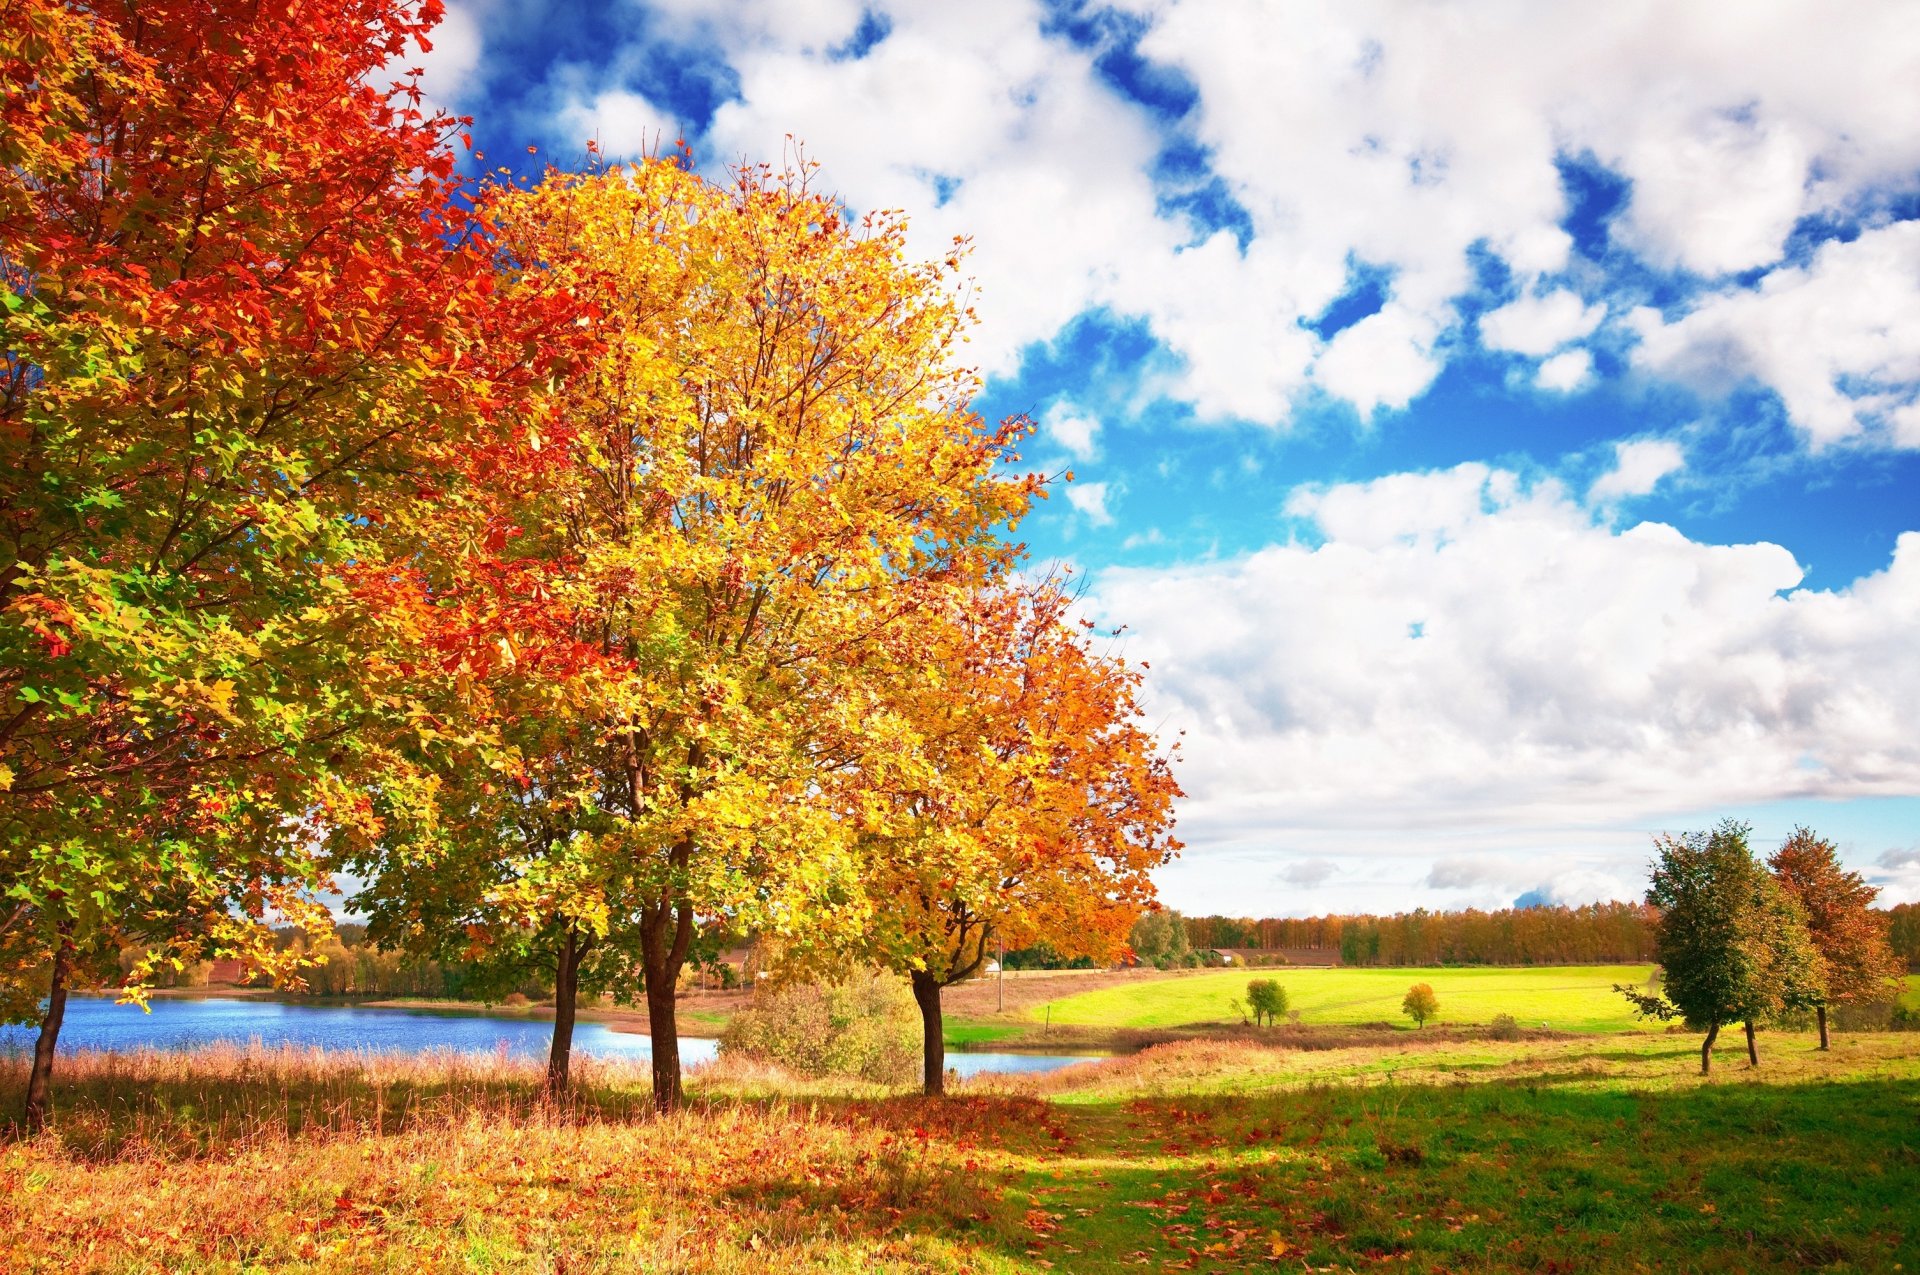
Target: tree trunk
<point>566,1001</point>
<point>40,1079</point>
<point>1706,1049</point>
<point>933,1041</point>
<point>1753,1053</point>
<point>1820,1012</point>
<point>662,956</point>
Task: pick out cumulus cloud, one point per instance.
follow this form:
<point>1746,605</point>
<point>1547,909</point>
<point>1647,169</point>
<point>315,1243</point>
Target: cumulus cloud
<point>624,124</point>
<point>1091,500</point>
<point>1403,137</point>
<point>1564,372</point>
<point>1456,874</point>
<point>1898,876</point>
<point>1538,326</point>
<point>1074,432</point>
<point>1308,873</point>
<point>1838,339</point>
<point>1461,652</point>
<point>1638,467</point>
<point>1576,887</point>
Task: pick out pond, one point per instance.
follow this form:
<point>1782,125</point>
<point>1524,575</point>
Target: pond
<point>96,1022</point>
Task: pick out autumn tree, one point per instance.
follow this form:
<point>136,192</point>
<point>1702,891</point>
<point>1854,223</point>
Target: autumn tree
<point>1420,1004</point>
<point>1159,937</point>
<point>1731,942</point>
<point>235,280</point>
<point>766,465</point>
<point>1032,805</point>
<point>1856,962</point>
<point>1267,999</point>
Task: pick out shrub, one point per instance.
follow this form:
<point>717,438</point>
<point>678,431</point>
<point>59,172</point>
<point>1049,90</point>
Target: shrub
<point>1503,1027</point>
<point>866,1026</point>
<point>1267,999</point>
<point>1421,1004</point>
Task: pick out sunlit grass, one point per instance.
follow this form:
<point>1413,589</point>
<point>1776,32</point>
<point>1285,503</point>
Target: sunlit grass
<point>1598,1153</point>
<point>1576,998</point>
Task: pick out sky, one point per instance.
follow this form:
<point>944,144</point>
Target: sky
<point>1497,425</point>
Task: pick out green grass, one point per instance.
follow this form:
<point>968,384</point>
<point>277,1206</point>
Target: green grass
<point>1601,1154</point>
<point>964,1032</point>
<point>1589,1155</point>
<point>1911,996</point>
<point>1578,998</point>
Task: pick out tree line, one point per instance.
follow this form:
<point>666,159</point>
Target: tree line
<point>1593,933</point>
<point>594,566</point>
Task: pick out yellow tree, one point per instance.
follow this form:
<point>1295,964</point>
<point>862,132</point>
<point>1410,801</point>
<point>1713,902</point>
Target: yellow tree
<point>765,466</point>
<point>1033,808</point>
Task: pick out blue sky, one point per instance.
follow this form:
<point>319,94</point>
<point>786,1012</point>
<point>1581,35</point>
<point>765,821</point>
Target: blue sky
<point>1496,425</point>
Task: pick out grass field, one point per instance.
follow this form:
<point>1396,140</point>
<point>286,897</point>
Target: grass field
<point>1576,998</point>
<point>1604,1154</point>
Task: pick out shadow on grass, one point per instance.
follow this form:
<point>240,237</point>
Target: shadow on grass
<point>1541,1171</point>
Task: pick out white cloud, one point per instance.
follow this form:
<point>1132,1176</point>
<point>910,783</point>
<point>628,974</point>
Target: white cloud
<point>1838,339</point>
<point>1637,469</point>
<point>1073,432</point>
<point>1309,872</point>
<point>1091,500</point>
<point>1492,665</point>
<point>1564,372</point>
<point>623,123</point>
<point>1401,136</point>
<point>1538,326</point>
<point>1897,876</point>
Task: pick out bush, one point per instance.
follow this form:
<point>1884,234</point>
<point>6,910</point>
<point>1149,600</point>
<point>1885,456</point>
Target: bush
<point>1267,999</point>
<point>867,1026</point>
<point>1420,1004</point>
<point>1503,1027</point>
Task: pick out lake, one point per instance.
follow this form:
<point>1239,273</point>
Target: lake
<point>96,1022</point>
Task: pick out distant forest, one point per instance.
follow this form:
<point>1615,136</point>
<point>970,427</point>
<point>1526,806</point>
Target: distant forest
<point>1595,933</point>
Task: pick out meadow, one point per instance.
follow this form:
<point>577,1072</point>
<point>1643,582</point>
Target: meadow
<point>1567,998</point>
<point>1436,1153</point>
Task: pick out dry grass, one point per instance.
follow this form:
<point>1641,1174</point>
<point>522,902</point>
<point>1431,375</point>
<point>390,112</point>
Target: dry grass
<point>1444,1152</point>
<point>233,1159</point>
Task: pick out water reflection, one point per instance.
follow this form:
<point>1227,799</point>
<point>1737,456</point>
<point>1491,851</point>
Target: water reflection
<point>96,1022</point>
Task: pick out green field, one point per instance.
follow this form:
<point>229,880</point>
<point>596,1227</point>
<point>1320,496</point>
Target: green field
<point>1575,998</point>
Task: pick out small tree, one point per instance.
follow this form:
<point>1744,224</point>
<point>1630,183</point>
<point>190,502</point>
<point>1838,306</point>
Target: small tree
<point>1421,1004</point>
<point>1267,999</point>
<point>1731,941</point>
<point>1856,960</point>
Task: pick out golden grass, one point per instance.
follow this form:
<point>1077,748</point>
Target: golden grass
<point>239,1159</point>
<point>1205,1154</point>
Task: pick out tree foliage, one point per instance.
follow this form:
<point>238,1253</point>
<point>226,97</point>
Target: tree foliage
<point>1732,942</point>
<point>1026,803</point>
<point>236,281</point>
<point>1857,965</point>
<point>1267,1000</point>
<point>759,471</point>
<point>1420,1004</point>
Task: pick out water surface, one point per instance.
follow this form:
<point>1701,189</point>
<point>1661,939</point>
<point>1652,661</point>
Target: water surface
<point>96,1022</point>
